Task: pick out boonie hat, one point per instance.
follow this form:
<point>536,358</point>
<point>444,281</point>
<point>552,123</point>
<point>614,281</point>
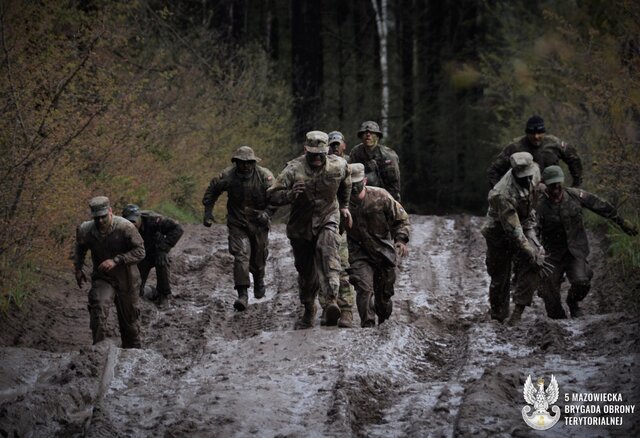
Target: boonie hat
<point>335,137</point>
<point>244,153</point>
<point>317,142</point>
<point>552,175</point>
<point>357,172</point>
<point>522,164</point>
<point>99,206</point>
<point>131,212</point>
<point>370,126</point>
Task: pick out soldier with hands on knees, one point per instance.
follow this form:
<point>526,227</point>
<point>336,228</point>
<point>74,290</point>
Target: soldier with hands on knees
<point>160,234</point>
<point>116,247</point>
<point>248,219</point>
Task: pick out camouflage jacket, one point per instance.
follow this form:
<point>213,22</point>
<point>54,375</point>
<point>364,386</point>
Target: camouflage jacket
<point>159,233</point>
<point>381,167</point>
<point>327,190</point>
<point>549,153</point>
<point>561,225</point>
<point>247,194</point>
<point>511,215</point>
<point>122,243</point>
<point>378,222</point>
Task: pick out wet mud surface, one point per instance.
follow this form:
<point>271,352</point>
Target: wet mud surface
<point>438,367</point>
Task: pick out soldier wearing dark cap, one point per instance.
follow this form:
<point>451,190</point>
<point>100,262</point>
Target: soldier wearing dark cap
<point>338,145</point>
<point>317,186</point>
<point>248,218</point>
<point>565,239</point>
<point>510,232</point>
<point>545,149</point>
<point>379,234</point>
<point>160,234</point>
<point>116,247</point>
<point>381,163</point>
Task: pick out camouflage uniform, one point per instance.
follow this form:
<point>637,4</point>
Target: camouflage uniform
<point>550,152</point>
<point>381,166</point>
<point>160,234</point>
<point>124,245</point>
<point>248,235</point>
<point>510,235</point>
<point>313,223</point>
<point>345,292</point>
<point>378,222</point>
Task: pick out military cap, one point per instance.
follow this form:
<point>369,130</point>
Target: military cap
<point>316,142</point>
<point>535,125</point>
<point>131,212</point>
<point>244,153</point>
<point>99,206</point>
<point>357,172</point>
<point>522,164</point>
<point>552,175</point>
<point>371,127</point>
<point>335,137</point>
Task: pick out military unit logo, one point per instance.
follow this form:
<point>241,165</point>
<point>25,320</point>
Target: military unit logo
<point>541,400</point>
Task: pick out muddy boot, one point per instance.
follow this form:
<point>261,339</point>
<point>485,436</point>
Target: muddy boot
<point>515,317</point>
<point>332,313</point>
<point>308,318</point>
<point>259,291</point>
<point>346,319</point>
<point>243,299</point>
<point>162,301</point>
<point>368,323</point>
<point>574,309</point>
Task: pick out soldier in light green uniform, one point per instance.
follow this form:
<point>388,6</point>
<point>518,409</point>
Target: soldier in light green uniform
<point>317,186</point>
<point>565,240</point>
<point>248,218</point>
<point>116,248</point>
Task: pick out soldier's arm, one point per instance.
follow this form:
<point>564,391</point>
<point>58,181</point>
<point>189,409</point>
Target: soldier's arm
<point>391,175</point>
<point>511,223</point>
<point>400,226</point>
<point>344,191</point>
<point>136,252</point>
<point>569,155</point>
<point>80,250</point>
<point>597,205</point>
<point>172,232</point>
<point>499,167</point>
<point>280,192</point>
<point>267,184</point>
<point>213,192</point>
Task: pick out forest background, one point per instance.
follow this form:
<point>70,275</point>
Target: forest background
<point>144,101</point>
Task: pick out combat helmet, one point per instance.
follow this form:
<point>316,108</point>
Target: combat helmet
<point>370,126</point>
<point>244,153</point>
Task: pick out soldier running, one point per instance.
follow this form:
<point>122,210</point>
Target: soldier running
<point>248,218</point>
<point>116,247</point>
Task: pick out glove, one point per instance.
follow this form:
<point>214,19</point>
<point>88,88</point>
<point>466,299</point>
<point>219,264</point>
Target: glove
<point>80,277</point>
<point>208,219</point>
<point>628,227</point>
<point>541,265</point>
<point>401,249</point>
<point>162,259</point>
<point>298,188</point>
<point>262,218</point>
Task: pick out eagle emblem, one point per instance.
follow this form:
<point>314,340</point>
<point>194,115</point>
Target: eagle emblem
<point>541,399</point>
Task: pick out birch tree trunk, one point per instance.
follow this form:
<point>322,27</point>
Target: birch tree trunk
<point>382,26</point>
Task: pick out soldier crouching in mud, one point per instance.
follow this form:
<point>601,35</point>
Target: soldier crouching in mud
<point>317,186</point>
<point>160,234</point>
<point>116,247</point>
<point>378,237</point>
<point>248,218</point>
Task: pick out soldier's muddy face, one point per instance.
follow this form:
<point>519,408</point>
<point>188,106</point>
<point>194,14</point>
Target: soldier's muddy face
<point>369,138</point>
<point>356,188</point>
<point>555,191</point>
<point>525,181</point>
<point>536,139</point>
<point>103,222</point>
<point>315,160</point>
<point>245,166</point>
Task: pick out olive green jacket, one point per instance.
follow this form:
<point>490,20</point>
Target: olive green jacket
<point>381,167</point>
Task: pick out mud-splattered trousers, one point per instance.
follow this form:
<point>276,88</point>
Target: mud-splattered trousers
<point>125,246</point>
<point>378,222</point>
<point>249,247</point>
<point>313,222</point>
<point>564,237</point>
<point>346,292</point>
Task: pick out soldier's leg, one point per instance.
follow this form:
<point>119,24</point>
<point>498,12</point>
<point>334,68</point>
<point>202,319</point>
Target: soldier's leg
<point>346,292</point>
<point>361,276</point>
<point>549,290</point>
<point>328,263</point>
<point>128,317</point>
<point>240,249</point>
<point>528,282</point>
<point>384,281</point>
<point>308,280</point>
<point>162,276</point>
<point>144,267</point>
<point>579,274</point>
<point>498,261</point>
<point>100,298</point>
<point>258,260</point>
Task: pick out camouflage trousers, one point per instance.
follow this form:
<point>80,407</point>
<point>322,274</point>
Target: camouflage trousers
<point>101,295</point>
<point>374,283</point>
<point>500,255</point>
<point>162,275</point>
<point>250,249</point>
<point>345,292</point>
<point>318,265</point>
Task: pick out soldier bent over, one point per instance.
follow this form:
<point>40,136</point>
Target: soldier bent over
<point>116,247</point>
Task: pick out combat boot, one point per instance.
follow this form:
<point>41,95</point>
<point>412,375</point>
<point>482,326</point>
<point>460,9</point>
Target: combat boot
<point>332,313</point>
<point>162,301</point>
<point>259,291</point>
<point>309,316</point>
<point>346,319</point>
<point>243,299</point>
<point>574,309</point>
<point>515,317</point>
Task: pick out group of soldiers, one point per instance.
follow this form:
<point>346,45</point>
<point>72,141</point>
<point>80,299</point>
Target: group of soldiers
<point>346,227</point>
<point>535,224</point>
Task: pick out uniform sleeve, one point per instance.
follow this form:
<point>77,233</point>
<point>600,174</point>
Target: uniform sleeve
<point>569,155</point>
<point>597,205</point>
<point>278,193</point>
<point>134,241</point>
<point>344,191</point>
<point>510,222</point>
<point>267,184</point>
<point>399,219</point>
<point>213,192</point>
<point>172,232</point>
<point>499,167</point>
<point>80,249</point>
<point>391,176</point>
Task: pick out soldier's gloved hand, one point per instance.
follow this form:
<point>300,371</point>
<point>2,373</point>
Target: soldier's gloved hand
<point>161,242</point>
<point>263,218</point>
<point>208,219</point>
<point>80,277</point>
<point>371,166</point>
<point>401,249</point>
<point>298,188</point>
<point>628,227</point>
<point>162,259</point>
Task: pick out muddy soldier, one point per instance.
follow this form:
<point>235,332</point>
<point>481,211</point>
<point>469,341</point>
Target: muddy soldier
<point>379,234</point>
<point>116,247</point>
<point>248,218</point>
<point>381,164</point>
<point>545,149</point>
<point>160,234</point>
<point>317,186</point>
<point>337,145</point>
<point>565,240</point>
<point>510,232</point>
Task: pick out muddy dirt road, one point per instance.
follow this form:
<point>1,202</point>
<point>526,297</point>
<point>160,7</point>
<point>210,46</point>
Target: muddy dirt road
<point>438,367</point>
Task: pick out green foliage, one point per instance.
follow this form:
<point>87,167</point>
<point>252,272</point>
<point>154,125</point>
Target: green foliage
<point>16,282</point>
<point>181,214</point>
